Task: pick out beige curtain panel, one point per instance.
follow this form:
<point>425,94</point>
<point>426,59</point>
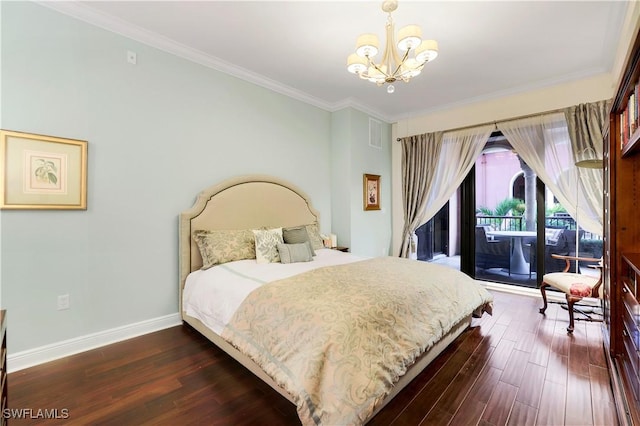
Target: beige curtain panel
<point>420,156</point>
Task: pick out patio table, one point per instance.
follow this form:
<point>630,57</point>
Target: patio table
<point>519,265</point>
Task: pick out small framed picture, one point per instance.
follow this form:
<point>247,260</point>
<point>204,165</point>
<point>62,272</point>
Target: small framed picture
<point>42,172</point>
<point>371,187</point>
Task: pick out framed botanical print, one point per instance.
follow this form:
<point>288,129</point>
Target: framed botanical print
<point>42,172</point>
<point>371,192</point>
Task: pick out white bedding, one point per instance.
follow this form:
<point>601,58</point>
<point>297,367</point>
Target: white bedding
<point>213,295</point>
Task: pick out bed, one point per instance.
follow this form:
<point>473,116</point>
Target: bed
<point>322,360</point>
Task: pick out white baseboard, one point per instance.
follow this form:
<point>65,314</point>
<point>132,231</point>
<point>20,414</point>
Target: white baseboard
<point>552,296</point>
<point>42,354</point>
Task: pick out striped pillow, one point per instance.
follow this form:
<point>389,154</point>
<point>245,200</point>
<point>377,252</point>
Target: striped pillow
<point>292,253</point>
<point>297,235</point>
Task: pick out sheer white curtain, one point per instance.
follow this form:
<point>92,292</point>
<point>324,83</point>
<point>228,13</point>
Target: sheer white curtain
<point>588,126</point>
<point>460,149</point>
<point>543,143</point>
<point>456,154</point>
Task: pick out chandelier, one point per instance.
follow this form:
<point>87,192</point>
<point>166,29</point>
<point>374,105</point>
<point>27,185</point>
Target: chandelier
<point>402,64</point>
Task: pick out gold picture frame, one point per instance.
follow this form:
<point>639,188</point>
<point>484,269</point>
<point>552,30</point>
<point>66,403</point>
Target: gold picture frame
<point>42,172</point>
<point>371,192</point>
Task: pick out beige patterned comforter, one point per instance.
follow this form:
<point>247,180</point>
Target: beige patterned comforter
<point>337,338</point>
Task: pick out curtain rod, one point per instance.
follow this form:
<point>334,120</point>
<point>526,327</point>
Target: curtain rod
<point>553,111</point>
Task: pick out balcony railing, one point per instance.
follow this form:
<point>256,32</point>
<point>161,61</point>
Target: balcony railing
<point>516,223</point>
<point>505,223</point>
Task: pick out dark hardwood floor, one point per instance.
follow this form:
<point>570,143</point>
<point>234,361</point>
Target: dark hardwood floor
<point>514,368</point>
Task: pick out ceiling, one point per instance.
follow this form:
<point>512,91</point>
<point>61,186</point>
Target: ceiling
<point>487,48</point>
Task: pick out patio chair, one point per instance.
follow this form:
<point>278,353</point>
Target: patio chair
<point>570,236</point>
<point>575,286</point>
<point>556,242</point>
<point>492,253</point>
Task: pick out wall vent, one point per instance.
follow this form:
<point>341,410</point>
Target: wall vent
<point>375,133</point>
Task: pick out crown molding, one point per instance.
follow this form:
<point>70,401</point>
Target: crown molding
<point>539,85</point>
<point>353,103</point>
<point>107,22</point>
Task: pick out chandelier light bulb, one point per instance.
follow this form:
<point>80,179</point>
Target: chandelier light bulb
<point>409,37</point>
<point>400,61</point>
<point>356,64</point>
<point>427,51</point>
<point>411,68</point>
<point>367,45</point>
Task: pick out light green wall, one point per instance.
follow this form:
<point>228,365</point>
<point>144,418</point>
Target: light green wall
<point>367,233</point>
<point>370,230</point>
<point>158,133</point>
<point>340,175</point>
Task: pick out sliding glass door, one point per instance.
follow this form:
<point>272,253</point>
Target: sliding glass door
<point>433,236</point>
<point>504,225</point>
<point>514,224</point>
<point>505,219</point>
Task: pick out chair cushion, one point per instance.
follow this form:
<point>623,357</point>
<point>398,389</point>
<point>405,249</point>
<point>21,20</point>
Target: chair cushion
<point>580,289</point>
<point>564,280</point>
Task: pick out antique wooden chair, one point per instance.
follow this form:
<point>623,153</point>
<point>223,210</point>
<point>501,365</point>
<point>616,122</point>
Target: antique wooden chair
<point>576,286</point>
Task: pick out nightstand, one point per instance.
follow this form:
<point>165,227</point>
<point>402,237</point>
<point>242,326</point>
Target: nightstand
<point>339,248</point>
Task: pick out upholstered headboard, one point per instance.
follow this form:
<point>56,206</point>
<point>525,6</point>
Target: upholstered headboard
<point>245,202</point>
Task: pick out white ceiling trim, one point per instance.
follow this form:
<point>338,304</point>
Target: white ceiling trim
<point>126,29</point>
<point>510,92</point>
<point>352,103</point>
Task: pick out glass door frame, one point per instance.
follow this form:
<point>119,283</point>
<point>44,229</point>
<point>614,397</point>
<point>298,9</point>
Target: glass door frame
<point>468,224</point>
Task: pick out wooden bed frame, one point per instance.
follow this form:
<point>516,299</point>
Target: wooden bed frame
<point>251,202</point>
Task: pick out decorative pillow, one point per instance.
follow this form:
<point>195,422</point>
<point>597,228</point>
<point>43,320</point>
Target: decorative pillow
<point>314,236</point>
<point>552,234</point>
<point>222,246</point>
<point>297,235</point>
<point>266,241</point>
<point>580,289</point>
<point>292,253</point>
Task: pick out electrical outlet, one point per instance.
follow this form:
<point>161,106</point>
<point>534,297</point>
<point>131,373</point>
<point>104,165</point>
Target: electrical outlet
<point>132,58</point>
<point>63,302</point>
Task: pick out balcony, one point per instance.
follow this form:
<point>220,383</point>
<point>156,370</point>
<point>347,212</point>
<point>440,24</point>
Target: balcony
<point>561,226</point>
